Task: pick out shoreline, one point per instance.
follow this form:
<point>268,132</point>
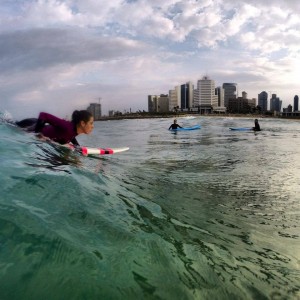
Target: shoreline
<point>168,116</point>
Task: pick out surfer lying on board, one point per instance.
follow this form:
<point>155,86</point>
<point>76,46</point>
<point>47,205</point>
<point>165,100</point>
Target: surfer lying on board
<point>256,125</point>
<point>174,125</point>
<point>59,130</point>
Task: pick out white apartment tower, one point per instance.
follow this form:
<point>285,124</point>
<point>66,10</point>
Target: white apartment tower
<point>207,97</point>
<point>174,96</point>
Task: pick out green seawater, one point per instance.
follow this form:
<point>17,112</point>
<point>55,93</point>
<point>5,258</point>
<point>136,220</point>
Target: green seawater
<point>204,214</point>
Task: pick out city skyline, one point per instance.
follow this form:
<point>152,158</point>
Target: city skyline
<point>61,55</point>
<point>265,100</point>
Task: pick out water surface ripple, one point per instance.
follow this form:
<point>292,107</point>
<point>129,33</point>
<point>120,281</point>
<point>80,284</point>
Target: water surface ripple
<point>204,214</point>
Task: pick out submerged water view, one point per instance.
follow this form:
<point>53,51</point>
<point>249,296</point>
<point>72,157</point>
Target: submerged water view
<point>203,214</point>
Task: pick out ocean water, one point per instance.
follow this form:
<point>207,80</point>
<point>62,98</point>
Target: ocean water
<point>204,214</point>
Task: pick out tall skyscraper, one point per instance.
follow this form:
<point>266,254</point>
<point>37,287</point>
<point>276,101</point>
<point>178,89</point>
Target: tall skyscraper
<point>206,91</point>
<point>275,103</point>
<point>219,91</point>
<point>174,96</point>
<point>296,103</point>
<point>263,101</point>
<point>186,96</point>
<point>196,98</point>
<point>95,110</point>
<point>230,92</point>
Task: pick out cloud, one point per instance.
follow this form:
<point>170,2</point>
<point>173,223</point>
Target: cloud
<point>40,48</point>
<point>60,54</point>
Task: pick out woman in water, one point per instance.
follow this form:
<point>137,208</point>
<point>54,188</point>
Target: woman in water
<point>60,130</point>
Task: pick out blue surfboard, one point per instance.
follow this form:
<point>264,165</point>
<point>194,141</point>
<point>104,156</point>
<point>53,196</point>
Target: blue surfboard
<point>187,128</point>
<point>241,128</point>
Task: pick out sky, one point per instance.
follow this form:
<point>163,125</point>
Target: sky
<point>61,55</point>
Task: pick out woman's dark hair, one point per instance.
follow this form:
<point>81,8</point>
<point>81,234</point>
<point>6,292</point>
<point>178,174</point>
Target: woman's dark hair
<point>81,115</point>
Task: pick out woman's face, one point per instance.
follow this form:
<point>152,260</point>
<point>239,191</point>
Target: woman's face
<point>88,126</point>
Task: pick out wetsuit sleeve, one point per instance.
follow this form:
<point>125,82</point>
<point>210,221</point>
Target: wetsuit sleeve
<point>50,119</point>
<point>39,125</point>
<point>27,122</point>
<point>75,142</point>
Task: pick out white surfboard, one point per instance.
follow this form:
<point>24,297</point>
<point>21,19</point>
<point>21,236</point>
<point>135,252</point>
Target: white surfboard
<point>84,150</point>
<point>95,151</point>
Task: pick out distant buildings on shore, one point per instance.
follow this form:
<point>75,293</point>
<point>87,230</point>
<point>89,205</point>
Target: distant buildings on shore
<point>289,111</point>
<point>95,110</point>
<point>205,98</point>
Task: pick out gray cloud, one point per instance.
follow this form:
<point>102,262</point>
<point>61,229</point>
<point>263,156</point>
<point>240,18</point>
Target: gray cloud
<point>42,48</point>
<point>59,55</point>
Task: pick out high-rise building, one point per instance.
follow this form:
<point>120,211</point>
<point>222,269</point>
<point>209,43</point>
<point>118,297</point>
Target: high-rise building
<point>186,96</point>
<point>296,103</point>
<point>263,101</point>
<point>275,103</point>
<point>196,98</point>
<point>206,94</point>
<point>252,102</point>
<point>241,104</point>
<point>219,91</point>
<point>220,94</point>
<point>182,97</point>
<point>174,96</point>
<point>230,92</point>
<point>95,110</point>
<point>238,105</point>
<point>158,103</point>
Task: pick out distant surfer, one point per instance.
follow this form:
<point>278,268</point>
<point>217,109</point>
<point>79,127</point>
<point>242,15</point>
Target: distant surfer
<point>256,125</point>
<point>174,125</point>
<point>60,130</point>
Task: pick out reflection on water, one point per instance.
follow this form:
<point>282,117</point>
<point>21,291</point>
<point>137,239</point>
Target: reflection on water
<point>54,158</point>
<point>205,214</point>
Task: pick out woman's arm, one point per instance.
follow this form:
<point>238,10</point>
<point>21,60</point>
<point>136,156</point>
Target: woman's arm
<point>50,119</point>
<point>75,142</point>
